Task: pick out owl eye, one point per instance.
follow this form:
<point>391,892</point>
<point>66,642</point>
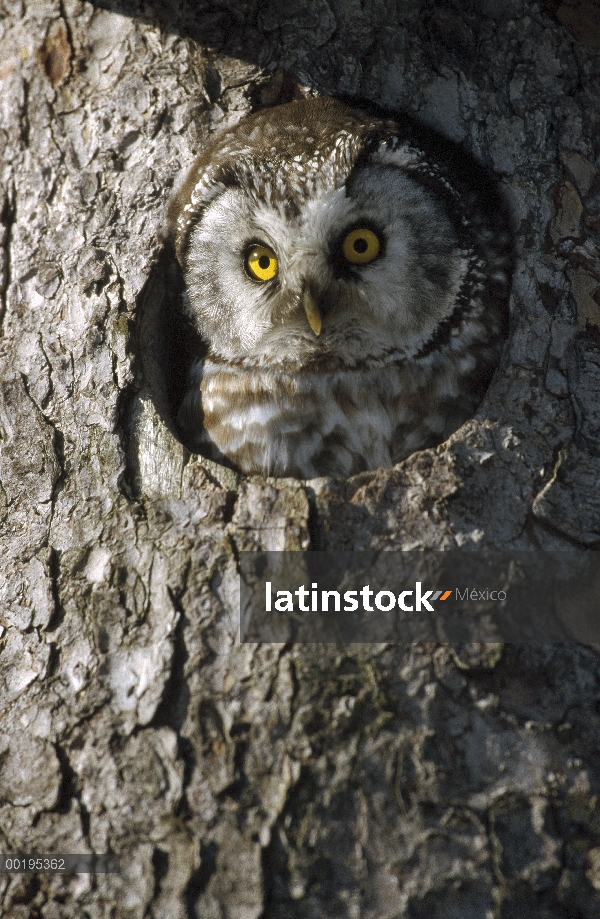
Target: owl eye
<point>261,263</point>
<point>361,246</point>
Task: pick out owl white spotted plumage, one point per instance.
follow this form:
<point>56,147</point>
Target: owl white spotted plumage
<point>350,286</point>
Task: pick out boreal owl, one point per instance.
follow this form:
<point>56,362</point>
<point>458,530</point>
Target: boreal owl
<point>349,278</point>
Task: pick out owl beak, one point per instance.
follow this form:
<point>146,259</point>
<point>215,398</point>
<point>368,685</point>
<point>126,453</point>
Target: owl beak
<point>313,313</point>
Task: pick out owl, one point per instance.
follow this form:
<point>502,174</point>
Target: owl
<point>348,277</point>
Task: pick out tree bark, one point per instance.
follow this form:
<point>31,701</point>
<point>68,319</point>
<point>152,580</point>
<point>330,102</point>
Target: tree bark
<point>239,781</point>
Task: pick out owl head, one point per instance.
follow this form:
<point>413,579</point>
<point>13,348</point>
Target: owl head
<point>314,230</point>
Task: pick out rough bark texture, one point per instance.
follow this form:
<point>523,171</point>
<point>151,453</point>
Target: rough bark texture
<point>246,781</point>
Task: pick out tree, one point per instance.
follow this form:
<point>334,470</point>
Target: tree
<point>240,780</point>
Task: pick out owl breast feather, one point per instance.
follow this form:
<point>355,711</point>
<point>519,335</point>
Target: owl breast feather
<point>314,423</point>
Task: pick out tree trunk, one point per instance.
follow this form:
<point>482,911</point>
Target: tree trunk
<point>239,781</point>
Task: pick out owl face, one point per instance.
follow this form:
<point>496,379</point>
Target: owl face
<point>343,271</point>
<point>351,291</point>
<point>341,254</point>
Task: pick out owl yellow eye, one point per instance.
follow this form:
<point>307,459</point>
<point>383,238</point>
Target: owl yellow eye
<point>261,263</point>
<point>361,246</point>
